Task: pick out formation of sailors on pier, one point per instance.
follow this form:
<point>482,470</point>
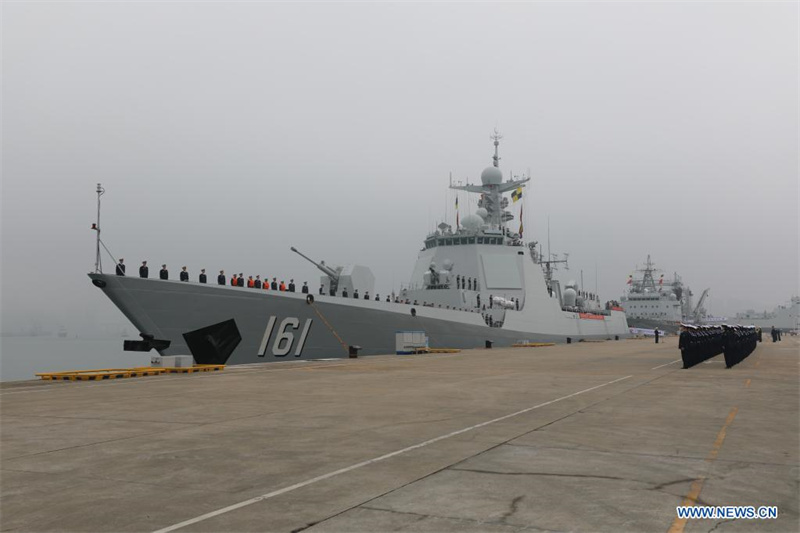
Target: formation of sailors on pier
<point>698,343</point>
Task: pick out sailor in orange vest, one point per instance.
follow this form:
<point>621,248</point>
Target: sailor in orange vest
<point>283,286</point>
<point>266,283</point>
<point>250,283</point>
<point>234,281</point>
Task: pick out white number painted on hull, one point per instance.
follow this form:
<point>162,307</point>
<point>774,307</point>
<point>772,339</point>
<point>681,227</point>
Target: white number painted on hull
<point>285,338</point>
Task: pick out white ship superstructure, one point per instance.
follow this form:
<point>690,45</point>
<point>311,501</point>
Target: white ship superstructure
<point>784,317</point>
<point>649,298</point>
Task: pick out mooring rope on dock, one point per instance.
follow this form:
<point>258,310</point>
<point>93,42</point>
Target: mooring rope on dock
<point>345,346</point>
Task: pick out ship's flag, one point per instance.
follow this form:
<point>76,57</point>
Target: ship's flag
<point>517,194</point>
<point>661,280</point>
<point>520,221</point>
<point>630,279</point>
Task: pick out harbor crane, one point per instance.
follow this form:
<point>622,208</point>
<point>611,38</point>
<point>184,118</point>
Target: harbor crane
<point>699,311</point>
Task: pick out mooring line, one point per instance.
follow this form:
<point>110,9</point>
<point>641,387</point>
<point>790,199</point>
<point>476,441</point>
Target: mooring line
<point>324,321</point>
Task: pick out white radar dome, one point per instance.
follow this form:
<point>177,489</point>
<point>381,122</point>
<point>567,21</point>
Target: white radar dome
<point>569,297</point>
<point>492,176</point>
<point>482,212</point>
<point>447,264</point>
<point>472,222</point>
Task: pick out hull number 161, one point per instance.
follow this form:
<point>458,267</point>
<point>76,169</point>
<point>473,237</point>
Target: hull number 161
<point>285,337</point>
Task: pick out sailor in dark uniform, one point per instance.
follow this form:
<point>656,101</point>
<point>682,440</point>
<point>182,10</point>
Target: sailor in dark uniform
<point>257,282</point>
<point>120,267</point>
<point>355,294</point>
<point>274,284</point>
<point>203,277</point>
<point>304,289</point>
<point>321,288</point>
<point>377,297</point>
<point>221,278</point>
<point>656,333</point>
<point>291,285</point>
<point>240,280</point>
<point>344,293</point>
<point>163,273</point>
<point>184,274</point>
<point>366,295</point>
<point>143,270</point>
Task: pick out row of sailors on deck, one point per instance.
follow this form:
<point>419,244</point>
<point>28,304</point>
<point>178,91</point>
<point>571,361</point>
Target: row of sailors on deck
<point>237,280</point>
<point>463,282</point>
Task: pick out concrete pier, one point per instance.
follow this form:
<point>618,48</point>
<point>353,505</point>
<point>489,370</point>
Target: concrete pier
<point>584,437</point>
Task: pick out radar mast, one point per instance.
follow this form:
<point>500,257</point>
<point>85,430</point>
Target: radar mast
<point>492,188</point>
<point>496,138</point>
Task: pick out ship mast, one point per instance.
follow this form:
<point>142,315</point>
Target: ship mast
<point>496,138</point>
<point>98,264</point>
<point>492,189</point>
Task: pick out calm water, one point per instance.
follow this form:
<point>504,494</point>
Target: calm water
<point>22,357</point>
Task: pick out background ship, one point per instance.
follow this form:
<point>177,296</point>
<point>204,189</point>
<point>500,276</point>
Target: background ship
<point>476,282</point>
<point>784,317</point>
<point>652,302</point>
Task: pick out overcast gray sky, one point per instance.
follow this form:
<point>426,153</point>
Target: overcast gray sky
<point>224,133</point>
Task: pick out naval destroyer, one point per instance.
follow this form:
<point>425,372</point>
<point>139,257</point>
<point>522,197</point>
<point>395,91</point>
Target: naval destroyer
<point>474,283</point>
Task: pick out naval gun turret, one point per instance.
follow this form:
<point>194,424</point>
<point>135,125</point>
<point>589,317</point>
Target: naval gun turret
<point>333,274</point>
<point>339,279</point>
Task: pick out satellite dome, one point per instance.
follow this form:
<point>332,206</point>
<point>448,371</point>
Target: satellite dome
<point>472,222</point>
<point>482,212</point>
<point>492,176</point>
<point>447,264</point>
<point>570,296</point>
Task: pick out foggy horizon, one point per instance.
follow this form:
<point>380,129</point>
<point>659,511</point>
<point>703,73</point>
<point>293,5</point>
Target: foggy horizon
<point>226,133</point>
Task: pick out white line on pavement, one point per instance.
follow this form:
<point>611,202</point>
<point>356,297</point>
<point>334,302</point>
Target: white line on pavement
<point>666,364</point>
<point>350,468</point>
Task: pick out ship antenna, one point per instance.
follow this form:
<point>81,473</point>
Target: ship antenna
<point>496,138</point>
<point>98,265</point>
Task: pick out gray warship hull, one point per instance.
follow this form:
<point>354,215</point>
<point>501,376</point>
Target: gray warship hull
<point>244,325</point>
